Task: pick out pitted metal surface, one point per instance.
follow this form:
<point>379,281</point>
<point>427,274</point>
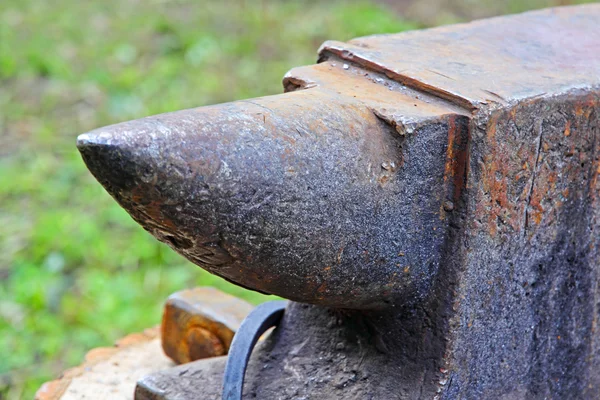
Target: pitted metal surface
<point>313,195</point>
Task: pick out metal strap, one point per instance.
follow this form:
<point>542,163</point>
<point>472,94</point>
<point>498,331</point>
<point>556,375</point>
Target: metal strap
<point>256,323</point>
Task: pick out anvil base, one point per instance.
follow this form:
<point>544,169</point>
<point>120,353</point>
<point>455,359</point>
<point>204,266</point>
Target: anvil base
<point>322,353</point>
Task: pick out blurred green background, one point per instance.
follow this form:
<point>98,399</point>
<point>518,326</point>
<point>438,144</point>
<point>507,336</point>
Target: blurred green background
<point>75,271</point>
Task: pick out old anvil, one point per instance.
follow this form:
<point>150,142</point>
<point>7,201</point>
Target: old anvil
<point>429,201</point>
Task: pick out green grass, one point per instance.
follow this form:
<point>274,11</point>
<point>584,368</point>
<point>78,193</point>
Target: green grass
<point>75,271</point>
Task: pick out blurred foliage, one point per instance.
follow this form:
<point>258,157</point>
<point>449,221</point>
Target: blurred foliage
<point>437,12</point>
<point>75,271</point>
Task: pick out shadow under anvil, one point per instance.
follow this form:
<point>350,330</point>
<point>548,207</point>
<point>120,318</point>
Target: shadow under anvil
<point>323,353</point>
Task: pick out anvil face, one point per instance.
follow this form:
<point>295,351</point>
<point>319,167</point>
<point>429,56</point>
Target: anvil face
<point>318,195</point>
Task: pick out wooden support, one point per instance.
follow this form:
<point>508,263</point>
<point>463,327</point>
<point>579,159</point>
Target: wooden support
<point>110,372</point>
<point>197,323</point>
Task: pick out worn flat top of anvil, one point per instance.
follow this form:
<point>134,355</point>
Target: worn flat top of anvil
<point>494,60</point>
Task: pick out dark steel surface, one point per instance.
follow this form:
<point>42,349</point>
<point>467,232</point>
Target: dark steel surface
<point>437,189</point>
<point>332,195</point>
<point>513,314</point>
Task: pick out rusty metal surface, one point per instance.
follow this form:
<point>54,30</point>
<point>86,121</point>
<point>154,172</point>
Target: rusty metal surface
<point>497,60</point>
<point>329,195</point>
<point>531,252</point>
<point>200,323</point>
<point>437,189</point>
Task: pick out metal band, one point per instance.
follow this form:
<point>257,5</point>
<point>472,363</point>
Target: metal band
<point>256,323</point>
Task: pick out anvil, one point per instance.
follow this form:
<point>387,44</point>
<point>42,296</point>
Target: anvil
<point>429,200</point>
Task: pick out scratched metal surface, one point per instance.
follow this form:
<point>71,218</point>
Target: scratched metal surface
<point>315,195</point>
<point>499,60</point>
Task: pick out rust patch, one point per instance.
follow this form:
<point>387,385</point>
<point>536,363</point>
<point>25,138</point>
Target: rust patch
<point>200,323</point>
<point>457,161</point>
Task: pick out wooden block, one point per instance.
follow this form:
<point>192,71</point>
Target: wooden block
<point>197,323</point>
<point>110,372</point>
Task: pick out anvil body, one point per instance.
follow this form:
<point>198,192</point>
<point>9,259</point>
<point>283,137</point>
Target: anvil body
<point>433,195</point>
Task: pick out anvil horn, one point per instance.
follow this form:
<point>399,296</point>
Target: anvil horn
<point>307,195</point>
